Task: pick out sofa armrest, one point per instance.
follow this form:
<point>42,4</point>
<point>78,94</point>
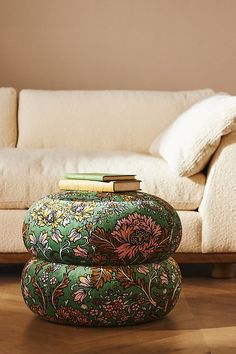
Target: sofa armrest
<point>218,206</point>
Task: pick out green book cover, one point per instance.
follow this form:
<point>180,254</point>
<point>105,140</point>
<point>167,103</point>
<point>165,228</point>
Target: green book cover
<point>99,176</point>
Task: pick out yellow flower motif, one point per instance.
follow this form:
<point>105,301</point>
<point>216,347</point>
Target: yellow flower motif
<point>83,211</point>
<point>52,214</point>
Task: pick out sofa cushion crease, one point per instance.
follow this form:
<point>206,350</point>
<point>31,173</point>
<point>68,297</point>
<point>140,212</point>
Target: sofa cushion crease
<point>28,174</point>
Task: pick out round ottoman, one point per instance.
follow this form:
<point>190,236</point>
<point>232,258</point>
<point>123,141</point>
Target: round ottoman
<point>101,259</point>
<point>91,228</point>
<point>101,296</point>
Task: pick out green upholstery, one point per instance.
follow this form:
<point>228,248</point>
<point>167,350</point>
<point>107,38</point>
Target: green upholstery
<point>91,228</point>
<point>101,259</point>
<point>101,296</point>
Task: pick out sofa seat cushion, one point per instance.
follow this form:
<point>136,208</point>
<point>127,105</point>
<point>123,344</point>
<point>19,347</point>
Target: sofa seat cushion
<point>28,174</point>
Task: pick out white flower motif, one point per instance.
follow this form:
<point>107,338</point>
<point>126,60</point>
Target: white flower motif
<point>65,221</point>
<point>53,280</point>
<point>75,235</point>
<point>56,236</point>
<point>43,238</point>
<point>45,277</point>
<point>33,239</point>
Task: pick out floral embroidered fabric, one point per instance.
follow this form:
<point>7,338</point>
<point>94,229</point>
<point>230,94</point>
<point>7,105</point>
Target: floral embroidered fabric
<point>90,228</point>
<point>101,296</point>
<point>101,259</point>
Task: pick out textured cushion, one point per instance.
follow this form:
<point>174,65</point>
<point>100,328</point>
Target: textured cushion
<point>11,231</point>
<point>91,228</point>
<point>191,241</point>
<point>8,121</point>
<point>28,174</point>
<point>92,120</point>
<point>11,225</point>
<point>189,142</point>
<point>102,296</point>
<point>218,207</point>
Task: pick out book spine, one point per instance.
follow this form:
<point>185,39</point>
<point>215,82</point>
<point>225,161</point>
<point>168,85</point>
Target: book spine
<point>84,185</point>
<point>83,177</point>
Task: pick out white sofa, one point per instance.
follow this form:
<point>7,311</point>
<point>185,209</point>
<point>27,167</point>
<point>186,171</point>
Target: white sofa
<point>111,131</point>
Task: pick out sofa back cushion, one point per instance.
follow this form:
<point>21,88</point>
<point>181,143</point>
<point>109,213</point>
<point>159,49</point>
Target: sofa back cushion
<point>8,120</point>
<point>89,120</point>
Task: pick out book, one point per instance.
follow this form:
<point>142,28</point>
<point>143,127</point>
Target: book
<point>112,186</point>
<point>102,177</point>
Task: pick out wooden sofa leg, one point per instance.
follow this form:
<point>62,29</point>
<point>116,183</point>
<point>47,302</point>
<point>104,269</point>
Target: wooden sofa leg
<point>222,270</point>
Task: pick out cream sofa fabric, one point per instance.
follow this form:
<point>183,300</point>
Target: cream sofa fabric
<point>189,142</point>
<point>192,232</point>
<point>8,120</point>
<point>11,231</point>
<point>91,120</point>
<point>218,207</point>
<point>28,174</point>
<point>11,238</point>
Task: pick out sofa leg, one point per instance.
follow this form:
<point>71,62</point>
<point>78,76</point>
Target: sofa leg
<point>222,270</point>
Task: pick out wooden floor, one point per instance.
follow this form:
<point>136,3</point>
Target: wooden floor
<point>204,321</point>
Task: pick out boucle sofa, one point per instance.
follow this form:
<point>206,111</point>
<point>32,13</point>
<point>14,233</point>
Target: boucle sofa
<point>45,133</point>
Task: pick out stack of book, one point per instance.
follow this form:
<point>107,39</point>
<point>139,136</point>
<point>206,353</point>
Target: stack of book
<point>100,182</point>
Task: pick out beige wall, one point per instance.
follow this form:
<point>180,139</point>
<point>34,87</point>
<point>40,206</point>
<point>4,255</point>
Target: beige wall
<point>114,44</point>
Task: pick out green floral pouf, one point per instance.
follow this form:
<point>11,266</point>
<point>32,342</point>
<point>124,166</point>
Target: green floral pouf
<point>101,259</point>
<point>101,296</point>
<point>90,228</point>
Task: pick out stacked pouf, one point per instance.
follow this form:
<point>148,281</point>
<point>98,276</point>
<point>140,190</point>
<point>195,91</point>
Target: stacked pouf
<point>101,259</point>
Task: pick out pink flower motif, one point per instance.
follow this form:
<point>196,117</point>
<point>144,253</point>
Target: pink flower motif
<point>57,236</point>
<point>32,239</point>
<point>80,252</point>
<point>135,307</point>
<point>43,238</point>
<point>94,312</point>
<point>139,315</point>
<point>118,305</point>
<point>85,281</point>
<point>156,266</point>
<point>75,235</point>
<point>137,234</point>
<point>164,278</point>
<point>79,295</point>
<point>143,269</point>
<point>33,251</point>
<point>123,316</point>
<point>109,308</point>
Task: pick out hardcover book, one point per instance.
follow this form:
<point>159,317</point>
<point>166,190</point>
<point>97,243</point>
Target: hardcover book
<point>112,186</point>
<point>103,177</point>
